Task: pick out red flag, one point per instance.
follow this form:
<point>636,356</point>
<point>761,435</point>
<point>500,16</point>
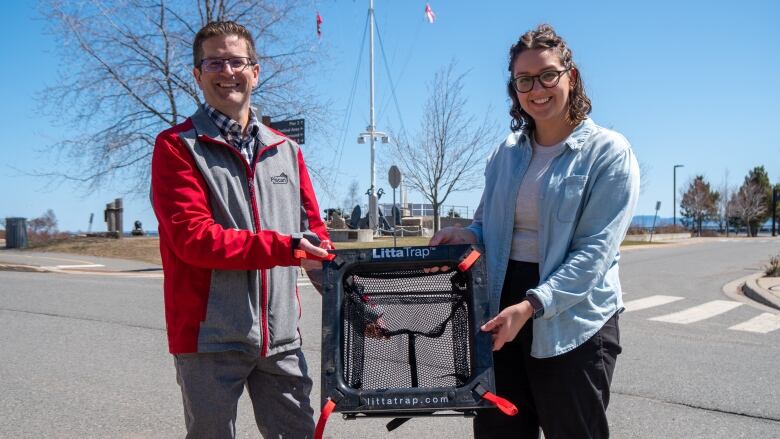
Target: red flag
<point>319,25</point>
<point>429,15</point>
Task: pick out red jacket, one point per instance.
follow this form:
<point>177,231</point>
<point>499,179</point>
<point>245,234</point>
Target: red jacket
<point>226,230</point>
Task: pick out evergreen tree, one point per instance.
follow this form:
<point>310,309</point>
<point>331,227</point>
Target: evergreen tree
<point>699,203</point>
<point>759,178</point>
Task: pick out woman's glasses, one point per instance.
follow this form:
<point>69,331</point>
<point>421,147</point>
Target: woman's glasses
<point>548,79</point>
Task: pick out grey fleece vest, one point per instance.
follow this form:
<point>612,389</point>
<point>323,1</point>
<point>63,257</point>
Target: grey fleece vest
<point>234,317</point>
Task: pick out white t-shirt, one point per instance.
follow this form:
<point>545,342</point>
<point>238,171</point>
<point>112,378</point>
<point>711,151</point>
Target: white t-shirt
<point>525,236</point>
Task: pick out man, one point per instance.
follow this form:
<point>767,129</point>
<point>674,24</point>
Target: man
<point>233,199</point>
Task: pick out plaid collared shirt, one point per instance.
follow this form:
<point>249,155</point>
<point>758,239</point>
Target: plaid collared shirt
<point>231,131</point>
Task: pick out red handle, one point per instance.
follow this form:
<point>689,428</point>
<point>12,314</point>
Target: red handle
<point>504,405</point>
<point>326,411</point>
<point>469,260</point>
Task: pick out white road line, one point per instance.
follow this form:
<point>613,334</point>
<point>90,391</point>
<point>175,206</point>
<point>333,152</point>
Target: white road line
<point>65,267</point>
<point>698,313</point>
<point>762,323</point>
<point>304,284</point>
<point>649,302</point>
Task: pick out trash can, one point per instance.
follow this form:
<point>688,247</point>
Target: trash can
<point>16,233</point>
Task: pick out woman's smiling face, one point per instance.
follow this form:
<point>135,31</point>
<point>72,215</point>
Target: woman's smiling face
<point>545,105</point>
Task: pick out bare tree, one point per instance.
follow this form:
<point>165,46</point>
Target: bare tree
<point>353,198</point>
<point>42,228</point>
<point>747,204</point>
<point>699,202</point>
<point>448,152</point>
<point>125,75</point>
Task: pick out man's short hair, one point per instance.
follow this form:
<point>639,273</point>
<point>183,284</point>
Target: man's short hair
<point>220,28</point>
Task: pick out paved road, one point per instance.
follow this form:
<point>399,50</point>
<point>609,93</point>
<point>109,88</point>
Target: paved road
<point>84,355</point>
<point>687,372</point>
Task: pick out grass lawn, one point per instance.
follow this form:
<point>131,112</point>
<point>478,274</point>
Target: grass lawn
<point>138,248</point>
<point>147,248</point>
<point>632,243</point>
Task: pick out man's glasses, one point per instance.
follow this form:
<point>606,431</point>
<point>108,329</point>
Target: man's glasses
<point>215,65</point>
<point>548,79</point>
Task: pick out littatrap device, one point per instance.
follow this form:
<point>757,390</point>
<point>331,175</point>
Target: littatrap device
<point>401,337</point>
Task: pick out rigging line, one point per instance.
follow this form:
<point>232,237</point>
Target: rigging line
<point>350,105</point>
<point>408,58</point>
<point>390,78</point>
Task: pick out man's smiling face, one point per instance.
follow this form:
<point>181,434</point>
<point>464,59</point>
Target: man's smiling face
<point>228,90</point>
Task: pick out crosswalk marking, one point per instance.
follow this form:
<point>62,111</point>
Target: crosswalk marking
<point>698,313</point>
<point>649,302</point>
<point>65,267</point>
<point>762,323</point>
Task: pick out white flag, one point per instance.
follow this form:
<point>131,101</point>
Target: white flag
<point>429,15</point>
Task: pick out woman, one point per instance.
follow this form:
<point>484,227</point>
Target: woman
<point>558,199</point>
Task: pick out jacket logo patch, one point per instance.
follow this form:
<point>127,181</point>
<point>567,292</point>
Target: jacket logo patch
<point>280,179</point>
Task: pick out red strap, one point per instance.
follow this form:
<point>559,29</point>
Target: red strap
<point>505,406</point>
<point>301,254</point>
<point>469,260</point>
<point>326,411</point>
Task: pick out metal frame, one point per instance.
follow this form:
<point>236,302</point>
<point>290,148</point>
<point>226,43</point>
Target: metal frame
<point>407,402</point>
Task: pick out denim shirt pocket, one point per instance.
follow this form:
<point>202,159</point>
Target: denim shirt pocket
<point>573,187</point>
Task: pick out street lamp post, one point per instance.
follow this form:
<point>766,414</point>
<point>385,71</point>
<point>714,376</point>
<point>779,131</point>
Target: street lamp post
<point>674,194</point>
<point>775,199</point>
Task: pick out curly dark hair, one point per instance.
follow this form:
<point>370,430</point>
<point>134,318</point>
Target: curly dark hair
<point>544,37</point>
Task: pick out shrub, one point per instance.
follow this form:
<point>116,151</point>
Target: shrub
<point>671,229</point>
<point>773,268</point>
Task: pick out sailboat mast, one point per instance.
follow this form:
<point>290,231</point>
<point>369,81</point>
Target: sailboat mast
<point>371,133</point>
<point>372,200</point>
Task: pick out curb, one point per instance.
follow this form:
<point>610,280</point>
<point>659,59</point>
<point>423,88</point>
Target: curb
<point>151,273</point>
<point>751,289</point>
<point>735,291</point>
<point>23,268</point>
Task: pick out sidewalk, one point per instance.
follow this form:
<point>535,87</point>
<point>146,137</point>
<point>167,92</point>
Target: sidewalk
<point>43,262</point>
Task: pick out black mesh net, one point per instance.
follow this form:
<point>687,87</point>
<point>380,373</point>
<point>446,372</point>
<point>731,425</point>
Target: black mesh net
<point>406,329</point>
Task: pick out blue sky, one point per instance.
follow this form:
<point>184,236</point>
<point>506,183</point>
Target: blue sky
<point>690,83</point>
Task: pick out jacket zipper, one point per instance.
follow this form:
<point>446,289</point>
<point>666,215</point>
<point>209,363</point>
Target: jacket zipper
<point>250,173</point>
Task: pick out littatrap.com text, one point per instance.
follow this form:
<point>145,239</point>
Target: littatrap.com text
<point>405,400</point>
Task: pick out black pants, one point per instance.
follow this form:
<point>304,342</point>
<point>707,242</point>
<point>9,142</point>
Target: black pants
<point>566,395</point>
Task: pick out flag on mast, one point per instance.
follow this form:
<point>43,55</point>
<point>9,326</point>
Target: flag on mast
<point>319,25</point>
<point>429,15</point>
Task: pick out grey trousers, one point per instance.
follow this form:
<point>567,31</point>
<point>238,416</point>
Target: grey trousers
<point>279,386</point>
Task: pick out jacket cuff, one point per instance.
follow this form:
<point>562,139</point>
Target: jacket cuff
<point>543,294</point>
<point>291,242</point>
<point>536,304</point>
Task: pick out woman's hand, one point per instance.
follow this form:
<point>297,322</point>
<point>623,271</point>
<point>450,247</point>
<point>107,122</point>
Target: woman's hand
<point>450,235</point>
<point>453,235</point>
<point>505,326</point>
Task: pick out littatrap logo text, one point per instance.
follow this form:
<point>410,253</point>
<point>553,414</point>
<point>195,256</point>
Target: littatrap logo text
<point>385,253</point>
<point>405,401</point>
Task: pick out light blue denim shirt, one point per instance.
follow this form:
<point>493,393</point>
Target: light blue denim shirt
<point>585,208</point>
